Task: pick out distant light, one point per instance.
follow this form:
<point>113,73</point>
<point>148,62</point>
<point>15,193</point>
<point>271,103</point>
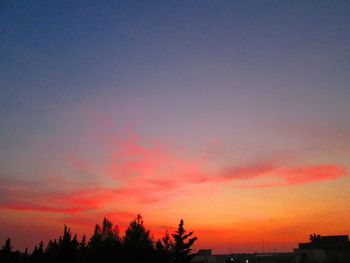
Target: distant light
<point>246,261</point>
<point>231,259</point>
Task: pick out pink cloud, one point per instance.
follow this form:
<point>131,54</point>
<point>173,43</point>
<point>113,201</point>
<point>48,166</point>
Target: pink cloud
<point>40,208</point>
<point>311,174</point>
<point>245,172</point>
<point>289,176</point>
<point>150,175</point>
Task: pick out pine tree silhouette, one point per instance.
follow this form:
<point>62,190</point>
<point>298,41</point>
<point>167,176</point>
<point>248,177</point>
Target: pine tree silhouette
<point>164,249</point>
<point>7,247</point>
<point>52,251</point>
<point>82,250</point>
<point>38,255</point>
<point>6,252</point>
<point>137,238</point>
<point>68,246</point>
<point>104,245</point>
<point>183,242</point>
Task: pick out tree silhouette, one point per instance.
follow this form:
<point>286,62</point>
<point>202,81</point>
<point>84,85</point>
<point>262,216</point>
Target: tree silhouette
<point>137,238</point>
<point>7,247</point>
<point>6,251</point>
<point>182,246</point>
<point>25,257</point>
<point>315,238</point>
<point>104,245</point>
<point>38,254</point>
<point>164,249</point>
<point>82,244</point>
<point>68,246</point>
<point>52,251</point>
<point>82,250</point>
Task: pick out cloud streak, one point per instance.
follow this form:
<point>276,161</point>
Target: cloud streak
<point>151,175</point>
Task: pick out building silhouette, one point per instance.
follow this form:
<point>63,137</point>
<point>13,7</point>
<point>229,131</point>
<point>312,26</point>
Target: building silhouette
<point>324,249</point>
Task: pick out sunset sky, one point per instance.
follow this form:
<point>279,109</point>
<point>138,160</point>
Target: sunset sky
<point>233,115</point>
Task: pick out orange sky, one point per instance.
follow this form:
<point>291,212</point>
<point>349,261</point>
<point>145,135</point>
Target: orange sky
<point>269,206</point>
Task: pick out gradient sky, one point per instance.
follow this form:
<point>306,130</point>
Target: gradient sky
<point>234,115</point>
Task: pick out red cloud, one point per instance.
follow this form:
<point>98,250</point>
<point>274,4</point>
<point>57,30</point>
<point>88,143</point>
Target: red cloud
<point>285,176</point>
<point>245,172</point>
<point>303,175</point>
<point>150,175</point>
<point>39,208</point>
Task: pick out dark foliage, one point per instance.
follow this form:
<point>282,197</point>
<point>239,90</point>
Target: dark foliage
<point>182,247</point>
<point>105,245</point>
<point>164,249</point>
<point>315,238</point>
<point>137,238</point>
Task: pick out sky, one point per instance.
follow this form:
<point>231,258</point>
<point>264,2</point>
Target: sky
<point>233,115</point>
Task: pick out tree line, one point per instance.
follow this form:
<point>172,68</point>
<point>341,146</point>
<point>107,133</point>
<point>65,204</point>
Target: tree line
<point>106,245</point>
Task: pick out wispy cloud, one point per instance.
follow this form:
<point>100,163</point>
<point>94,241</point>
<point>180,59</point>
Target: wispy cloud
<point>150,175</point>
